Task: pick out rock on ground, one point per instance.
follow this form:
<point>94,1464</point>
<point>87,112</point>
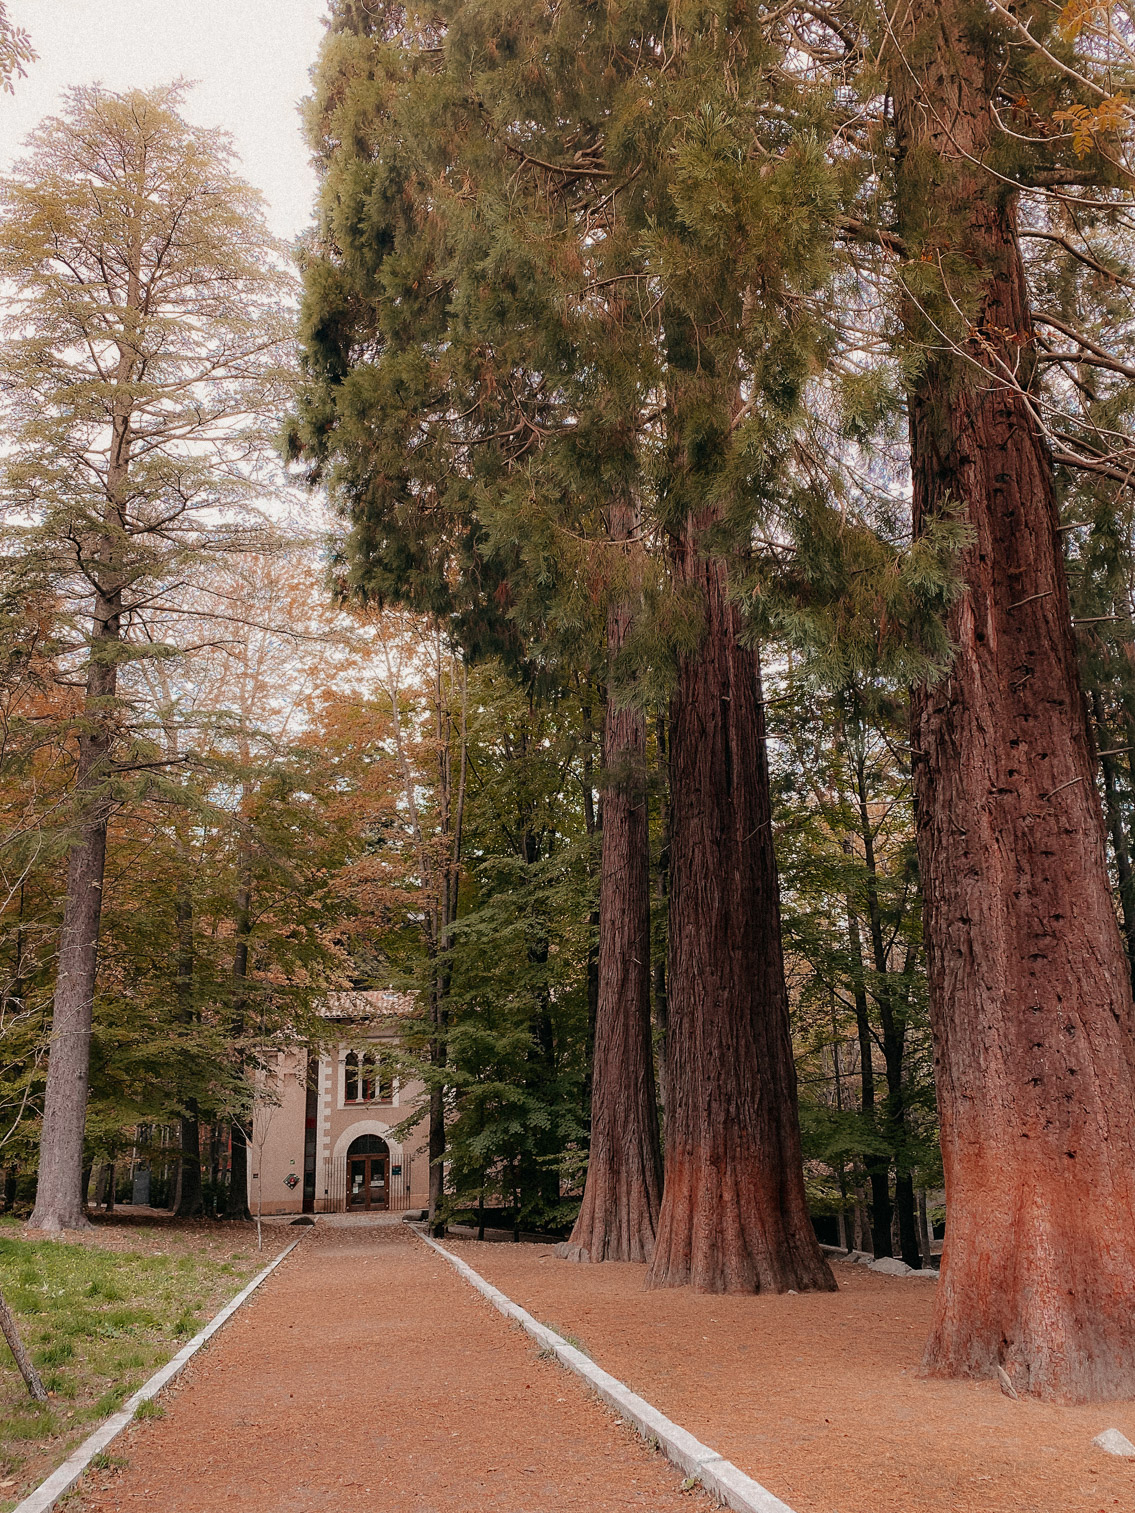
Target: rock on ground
<point>891,1266</point>
<point>1114,1443</point>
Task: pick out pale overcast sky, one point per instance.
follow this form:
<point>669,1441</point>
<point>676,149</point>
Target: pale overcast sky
<point>250,58</point>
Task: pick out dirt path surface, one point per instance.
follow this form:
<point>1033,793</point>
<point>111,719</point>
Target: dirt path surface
<point>366,1374</point>
<point>818,1397</point>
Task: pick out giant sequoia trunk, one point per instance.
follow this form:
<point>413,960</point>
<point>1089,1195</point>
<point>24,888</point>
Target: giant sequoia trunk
<point>623,1193</point>
<point>1030,993</point>
<point>734,1217</point>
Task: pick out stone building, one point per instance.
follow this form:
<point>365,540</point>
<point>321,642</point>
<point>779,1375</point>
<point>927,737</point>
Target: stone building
<point>323,1126</point>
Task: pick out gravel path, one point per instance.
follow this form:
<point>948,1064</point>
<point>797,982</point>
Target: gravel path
<point>367,1375</point>
<point>819,1396</point>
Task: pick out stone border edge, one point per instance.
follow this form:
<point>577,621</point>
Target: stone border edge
<point>718,1476</point>
<point>63,1478</point>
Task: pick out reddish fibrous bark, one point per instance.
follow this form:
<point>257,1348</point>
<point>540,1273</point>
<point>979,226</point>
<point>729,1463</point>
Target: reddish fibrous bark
<point>623,1194</point>
<point>1029,987</point>
<point>734,1216</point>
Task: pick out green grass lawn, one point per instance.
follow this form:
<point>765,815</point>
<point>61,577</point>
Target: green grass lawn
<point>97,1322</point>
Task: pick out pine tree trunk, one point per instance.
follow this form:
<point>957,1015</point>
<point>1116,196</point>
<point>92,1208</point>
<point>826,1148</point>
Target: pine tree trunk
<point>907,1213</point>
<point>59,1204</point>
<point>59,1199</point>
<point>924,1239</point>
<point>189,1201</point>
<point>439,1053</point>
<point>877,1167</point>
<point>893,1020</point>
<point>437,1158</point>
<point>190,1198</point>
<point>893,1048</point>
<point>1030,992</point>
<point>859,1220</point>
<point>236,1202</point>
<point>734,1216</point>
<point>623,1192</point>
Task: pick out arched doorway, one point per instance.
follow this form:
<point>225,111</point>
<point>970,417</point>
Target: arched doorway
<point>368,1173</point>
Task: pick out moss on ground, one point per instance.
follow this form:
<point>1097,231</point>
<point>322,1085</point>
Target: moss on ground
<point>97,1322</point>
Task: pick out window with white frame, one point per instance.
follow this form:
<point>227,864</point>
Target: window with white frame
<point>366,1079</point>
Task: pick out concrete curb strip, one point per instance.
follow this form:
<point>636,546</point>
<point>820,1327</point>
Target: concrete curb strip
<point>64,1477</point>
<point>717,1475</point>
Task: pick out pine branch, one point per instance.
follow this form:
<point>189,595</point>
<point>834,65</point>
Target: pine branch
<point>1103,358</point>
<point>1083,257</point>
<point>856,230</point>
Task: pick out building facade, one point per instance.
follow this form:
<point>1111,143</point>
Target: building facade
<point>323,1129</point>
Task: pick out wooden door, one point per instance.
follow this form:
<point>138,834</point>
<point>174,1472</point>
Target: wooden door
<point>368,1182</point>
<point>378,1188</point>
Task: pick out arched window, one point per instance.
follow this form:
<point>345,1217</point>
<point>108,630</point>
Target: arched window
<point>366,1080</point>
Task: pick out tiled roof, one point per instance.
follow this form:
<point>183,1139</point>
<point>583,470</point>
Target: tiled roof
<point>372,1003</point>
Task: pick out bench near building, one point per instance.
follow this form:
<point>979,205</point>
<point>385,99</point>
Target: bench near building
<point>322,1137</point>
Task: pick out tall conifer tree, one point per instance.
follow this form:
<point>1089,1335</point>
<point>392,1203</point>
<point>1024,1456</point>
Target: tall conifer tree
<point>1030,988</point>
<point>991,128</point>
<point>496,401</point>
<point>530,446</point>
<point>142,334</point>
